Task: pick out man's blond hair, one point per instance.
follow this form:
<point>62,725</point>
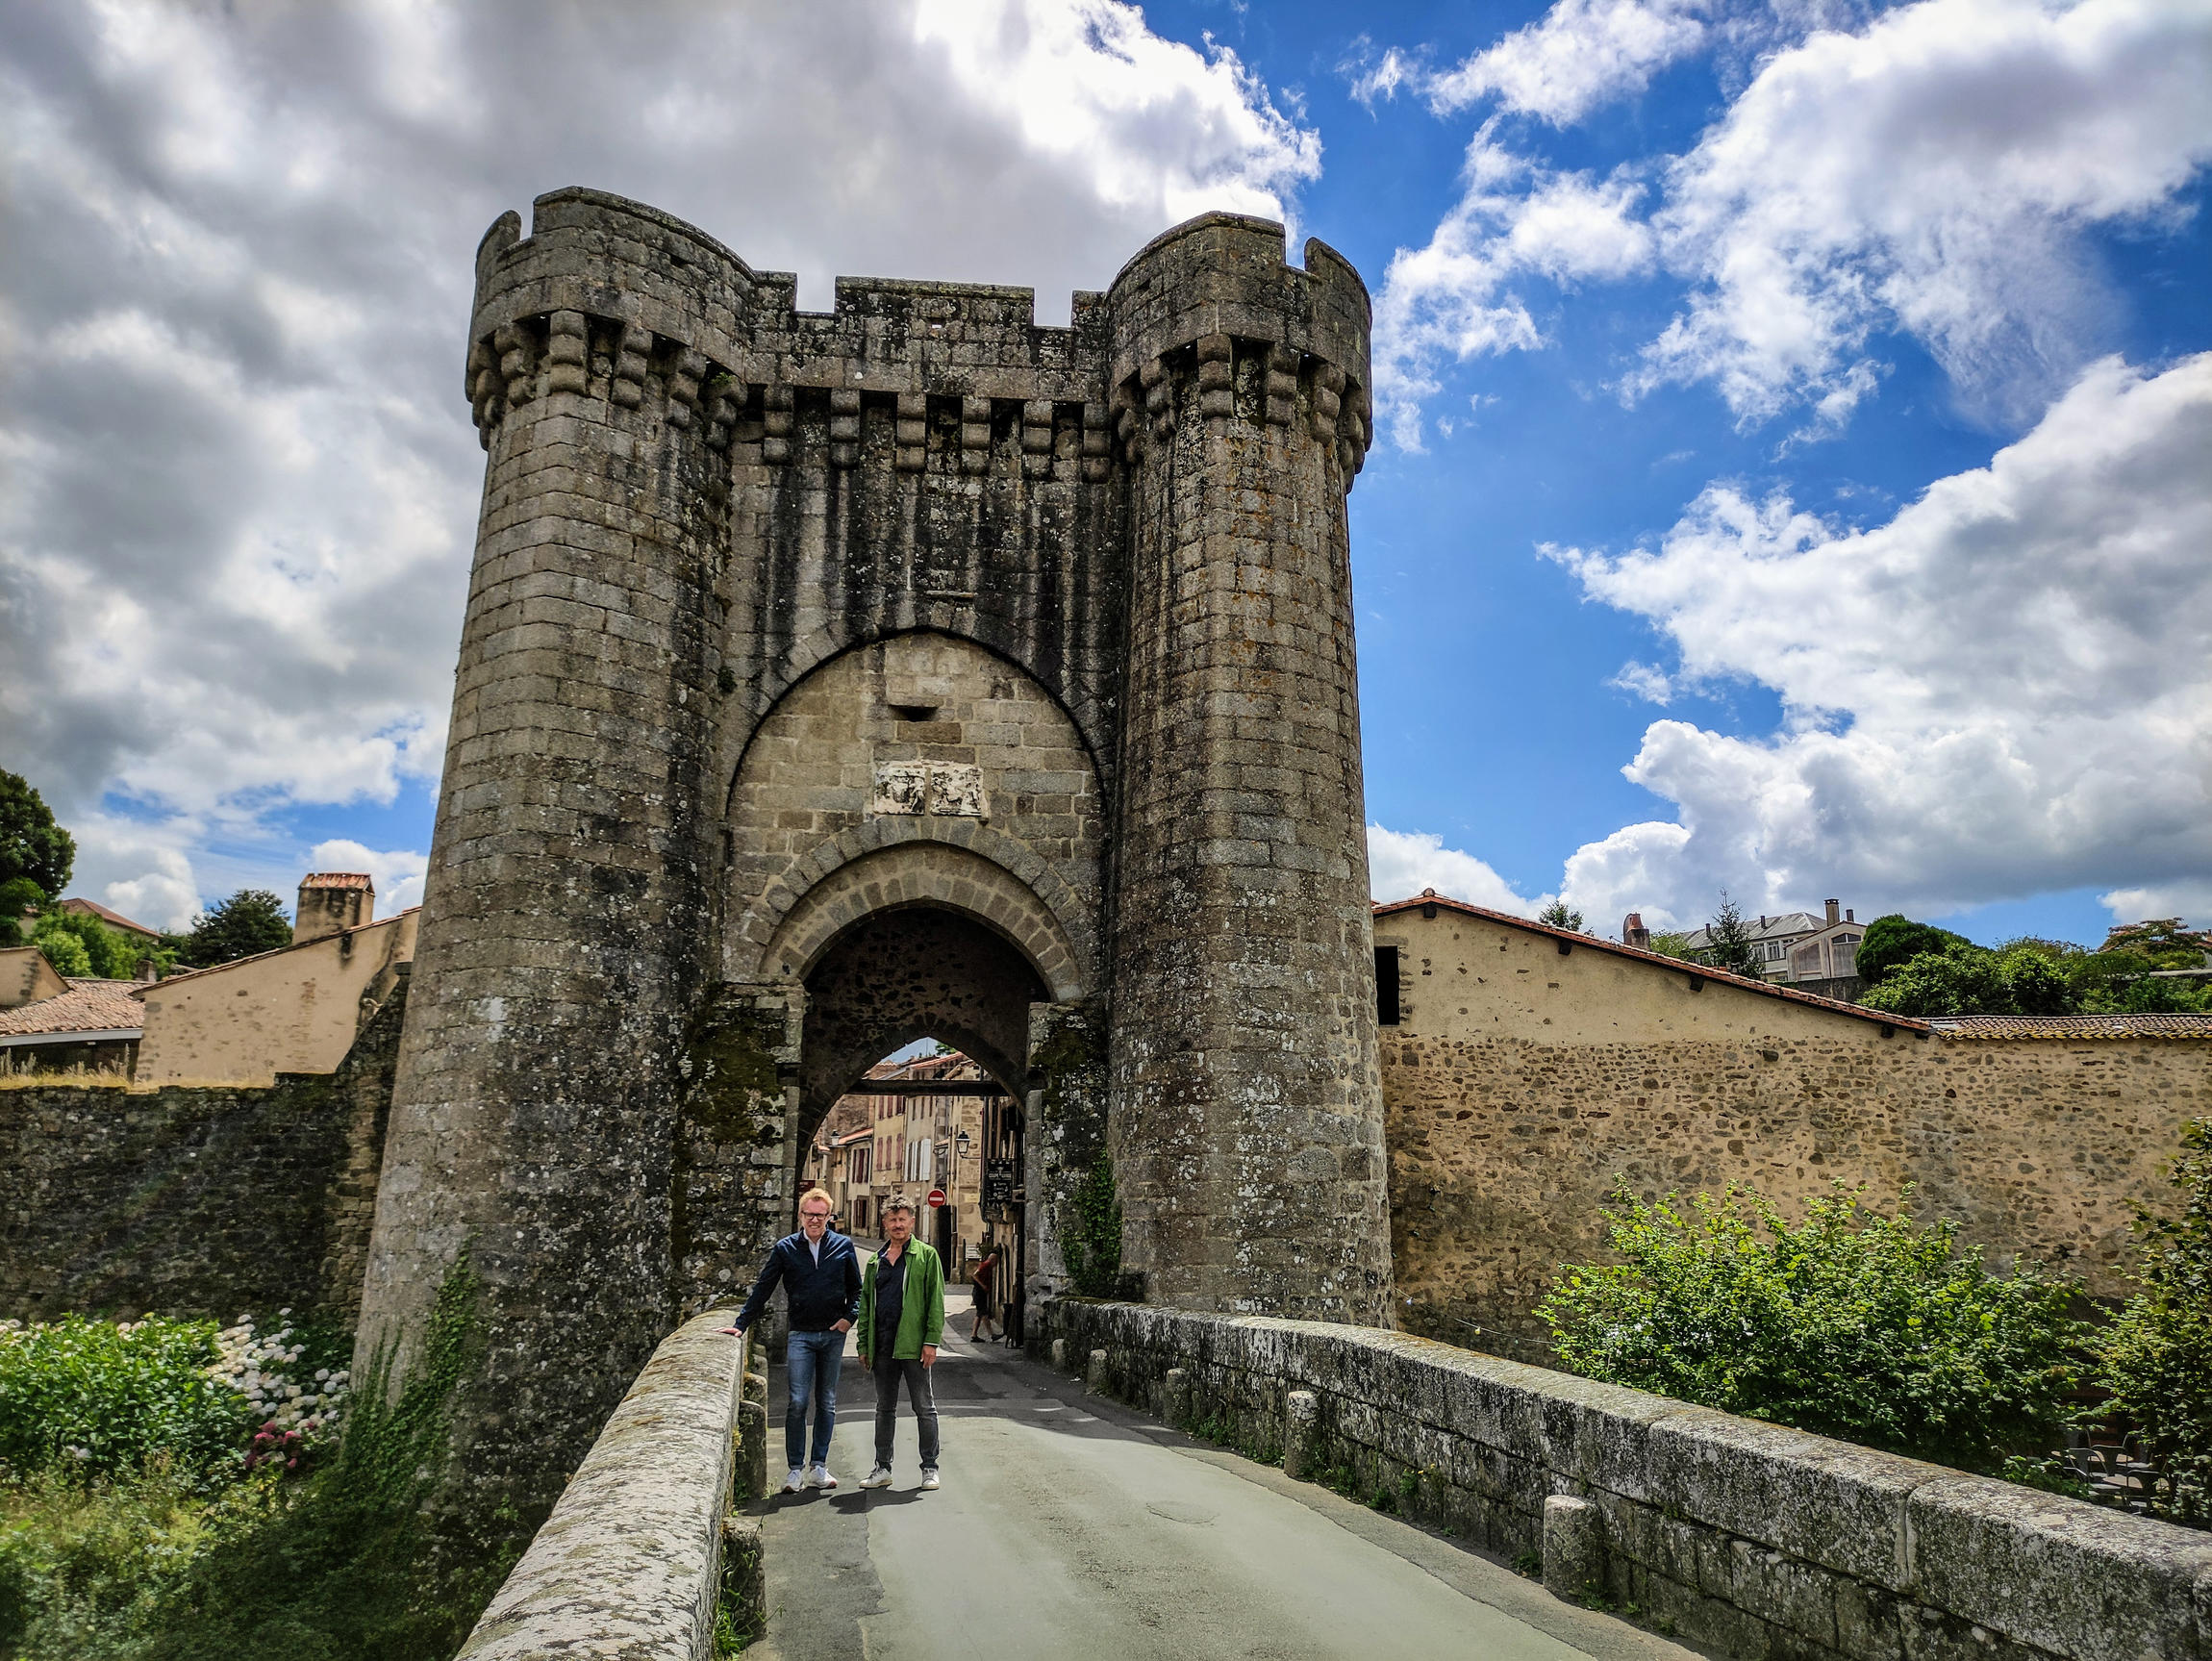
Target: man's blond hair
<point>820,1193</point>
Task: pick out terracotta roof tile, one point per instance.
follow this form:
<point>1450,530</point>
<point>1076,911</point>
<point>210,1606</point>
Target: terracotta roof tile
<point>87,1006</point>
<point>336,879</point>
<point>113,918</point>
<point>2073,1025</point>
<point>1766,988</point>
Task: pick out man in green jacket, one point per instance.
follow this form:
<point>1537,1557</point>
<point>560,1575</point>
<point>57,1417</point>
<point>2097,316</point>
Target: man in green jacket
<point>901,1319</point>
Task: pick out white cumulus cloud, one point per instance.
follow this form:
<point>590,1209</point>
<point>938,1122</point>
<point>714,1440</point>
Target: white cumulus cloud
<point>1402,864</point>
<point>235,273</point>
<point>1930,174</point>
<point>1454,299</point>
<point>2006,689</point>
<point>398,872</point>
<point>1579,55</point>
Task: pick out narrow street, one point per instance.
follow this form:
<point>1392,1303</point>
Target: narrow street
<point>1069,1527</point>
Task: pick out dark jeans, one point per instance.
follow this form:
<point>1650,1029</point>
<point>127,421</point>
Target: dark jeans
<point>811,1363</point>
<point>889,1373</point>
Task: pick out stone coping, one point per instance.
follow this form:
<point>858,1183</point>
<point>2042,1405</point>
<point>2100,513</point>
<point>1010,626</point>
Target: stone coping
<point>629,1564</point>
<point>1753,1537</point>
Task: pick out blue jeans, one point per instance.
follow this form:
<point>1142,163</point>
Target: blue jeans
<point>811,1363</point>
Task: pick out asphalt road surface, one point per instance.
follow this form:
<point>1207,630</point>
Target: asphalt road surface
<point>1069,1527</point>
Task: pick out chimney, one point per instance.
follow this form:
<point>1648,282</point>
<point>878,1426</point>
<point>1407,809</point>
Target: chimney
<point>1634,933</point>
<point>331,901</point>
<point>1849,915</point>
<point>1835,910</point>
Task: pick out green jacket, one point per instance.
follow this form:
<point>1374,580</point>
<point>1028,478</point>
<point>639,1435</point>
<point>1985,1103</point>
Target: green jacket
<point>920,1316</point>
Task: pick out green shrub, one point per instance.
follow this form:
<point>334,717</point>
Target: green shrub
<point>345,1561</point>
<point>98,1398</point>
<point>1855,1323</point>
<point>1090,1221</point>
<point>1970,980</point>
<point>2158,1356</point>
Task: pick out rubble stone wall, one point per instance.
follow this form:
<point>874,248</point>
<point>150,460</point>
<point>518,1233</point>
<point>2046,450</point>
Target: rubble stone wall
<point>1522,1083</point>
<point>1745,1538</point>
<point>195,1200</point>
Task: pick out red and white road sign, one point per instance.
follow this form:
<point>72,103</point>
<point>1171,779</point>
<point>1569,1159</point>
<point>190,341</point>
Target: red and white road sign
<point>936,1198</point>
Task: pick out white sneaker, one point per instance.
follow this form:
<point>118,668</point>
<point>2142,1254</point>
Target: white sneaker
<point>795,1481</point>
<point>822,1478</point>
<point>879,1478</point>
<point>929,1479</point>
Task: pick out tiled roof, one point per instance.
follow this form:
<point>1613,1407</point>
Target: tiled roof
<point>2073,1025</point>
<point>1657,959</point>
<point>87,1006</point>
<point>1757,929</point>
<point>336,879</point>
<point>113,918</point>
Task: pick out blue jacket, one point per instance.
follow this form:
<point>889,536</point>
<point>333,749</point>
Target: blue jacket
<point>821,1294</point>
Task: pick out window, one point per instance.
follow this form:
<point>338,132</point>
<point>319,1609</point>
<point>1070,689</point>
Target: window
<point>1386,986</point>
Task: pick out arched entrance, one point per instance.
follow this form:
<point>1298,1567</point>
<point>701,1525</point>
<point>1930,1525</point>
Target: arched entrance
<point>912,850</point>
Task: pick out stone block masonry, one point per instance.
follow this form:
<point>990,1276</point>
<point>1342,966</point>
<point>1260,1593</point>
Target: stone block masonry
<point>1748,1539</point>
<point>832,680</point>
<point>630,1567</point>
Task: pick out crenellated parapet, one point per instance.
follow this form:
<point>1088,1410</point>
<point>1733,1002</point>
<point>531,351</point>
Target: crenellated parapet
<point>587,305</point>
<point>1212,311</point>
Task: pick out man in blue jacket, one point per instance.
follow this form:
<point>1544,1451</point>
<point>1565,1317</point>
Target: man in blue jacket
<point>821,1272</point>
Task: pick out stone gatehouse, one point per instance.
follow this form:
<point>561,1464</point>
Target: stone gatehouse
<point>828,680</point>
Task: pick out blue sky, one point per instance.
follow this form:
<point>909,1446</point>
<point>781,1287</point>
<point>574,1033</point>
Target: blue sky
<point>1792,474</point>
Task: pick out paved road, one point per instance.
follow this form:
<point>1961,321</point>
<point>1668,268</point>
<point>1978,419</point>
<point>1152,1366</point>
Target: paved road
<point>1069,1527</point>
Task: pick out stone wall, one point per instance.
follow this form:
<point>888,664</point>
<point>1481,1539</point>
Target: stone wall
<point>642,1550</point>
<point>1745,1538</point>
<point>1522,1082</point>
<point>195,1200</point>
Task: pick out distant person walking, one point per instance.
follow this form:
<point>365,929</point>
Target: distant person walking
<point>821,1271</point>
<point>901,1319</point>
<point>984,1285</point>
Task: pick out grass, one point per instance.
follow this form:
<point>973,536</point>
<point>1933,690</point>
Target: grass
<point>145,1560</point>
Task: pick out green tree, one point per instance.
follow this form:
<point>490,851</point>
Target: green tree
<point>1856,1323</point>
<point>64,951</point>
<point>251,921</point>
<point>18,895</point>
<point>1560,914</point>
<point>31,844</point>
<point>1730,945</point>
<point>1891,941</point>
<point>110,953</point>
<point>1669,945</point>
<point>2158,1356</point>
<point>1972,980</point>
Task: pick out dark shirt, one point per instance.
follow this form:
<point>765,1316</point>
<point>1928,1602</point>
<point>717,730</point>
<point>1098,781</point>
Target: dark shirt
<point>891,1291</point>
<point>821,1293</point>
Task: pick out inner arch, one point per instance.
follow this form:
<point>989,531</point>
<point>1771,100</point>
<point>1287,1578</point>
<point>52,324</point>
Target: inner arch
<point>918,971</point>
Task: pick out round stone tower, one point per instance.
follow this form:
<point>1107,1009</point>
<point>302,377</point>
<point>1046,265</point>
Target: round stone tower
<point>1247,1096</point>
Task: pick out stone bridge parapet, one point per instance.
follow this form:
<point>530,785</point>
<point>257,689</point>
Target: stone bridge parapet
<point>1747,1538</point>
<point>641,1550</point>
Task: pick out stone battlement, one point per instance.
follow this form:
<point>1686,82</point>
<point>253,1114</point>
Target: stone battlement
<point>622,302</point>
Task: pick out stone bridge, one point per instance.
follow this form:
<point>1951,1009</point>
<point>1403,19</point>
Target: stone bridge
<point>1155,1483</point>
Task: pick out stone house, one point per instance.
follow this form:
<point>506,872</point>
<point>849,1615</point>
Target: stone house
<point>1816,952</point>
<point>296,1009</point>
<point>1528,1071</point>
<point>880,1141</point>
<point>114,920</point>
<point>55,1023</point>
